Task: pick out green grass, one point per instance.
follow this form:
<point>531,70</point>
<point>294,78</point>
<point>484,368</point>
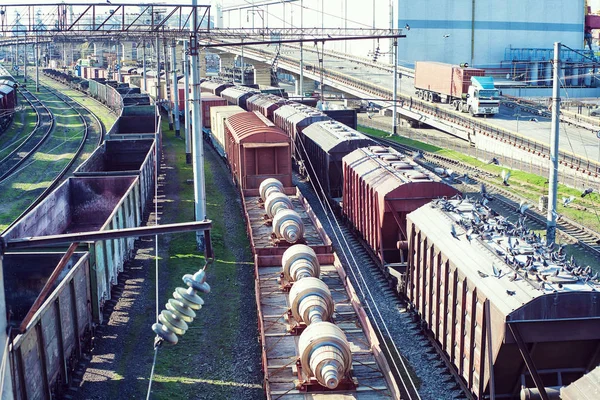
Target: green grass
<point>22,125</point>
<point>177,373</point>
<point>107,118</point>
<point>17,192</point>
<point>528,185</point>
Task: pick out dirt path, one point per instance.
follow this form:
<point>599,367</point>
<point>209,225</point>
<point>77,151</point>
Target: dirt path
<point>215,359</point>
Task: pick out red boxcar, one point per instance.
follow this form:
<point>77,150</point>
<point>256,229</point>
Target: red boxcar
<point>496,321</point>
<point>256,150</point>
<point>381,187</point>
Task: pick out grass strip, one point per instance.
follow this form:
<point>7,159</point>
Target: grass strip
<point>530,186</point>
<point>182,369</point>
<point>36,174</point>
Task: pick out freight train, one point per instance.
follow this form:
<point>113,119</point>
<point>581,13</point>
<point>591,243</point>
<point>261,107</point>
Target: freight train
<point>109,191</point>
<point>506,311</point>
<point>8,98</point>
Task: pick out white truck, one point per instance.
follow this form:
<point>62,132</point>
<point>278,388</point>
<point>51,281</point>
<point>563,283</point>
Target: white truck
<point>467,89</point>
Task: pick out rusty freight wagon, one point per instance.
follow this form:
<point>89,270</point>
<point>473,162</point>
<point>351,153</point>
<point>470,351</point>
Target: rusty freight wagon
<point>256,149</point>
<point>266,104</point>
<point>324,144</point>
<point>293,118</point>
<point>237,95</point>
<point>47,341</point>
<point>84,205</point>
<point>209,101</point>
<point>381,187</point>
<point>508,312</point>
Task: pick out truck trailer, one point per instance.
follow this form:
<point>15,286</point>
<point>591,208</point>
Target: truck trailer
<point>466,89</point>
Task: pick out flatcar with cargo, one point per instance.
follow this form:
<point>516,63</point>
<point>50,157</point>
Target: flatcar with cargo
<point>315,335</point>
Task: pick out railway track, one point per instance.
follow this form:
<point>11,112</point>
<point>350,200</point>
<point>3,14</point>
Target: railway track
<point>33,141</point>
<point>87,121</point>
<point>399,332</point>
<point>570,231</point>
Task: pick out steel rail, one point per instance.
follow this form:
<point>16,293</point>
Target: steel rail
<point>16,158</point>
<point>61,174</point>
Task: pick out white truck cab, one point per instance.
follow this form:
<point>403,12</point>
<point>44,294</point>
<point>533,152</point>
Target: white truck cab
<point>483,98</point>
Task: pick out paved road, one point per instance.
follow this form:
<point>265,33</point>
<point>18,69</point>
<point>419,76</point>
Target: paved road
<point>579,141</point>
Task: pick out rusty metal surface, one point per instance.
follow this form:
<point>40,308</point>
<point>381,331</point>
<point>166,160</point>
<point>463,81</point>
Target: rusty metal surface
<point>256,150</point>
<point>56,336</point>
<point>78,205</point>
<point>280,347</point>
<point>209,101</point>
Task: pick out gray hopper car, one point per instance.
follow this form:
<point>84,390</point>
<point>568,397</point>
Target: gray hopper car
<point>507,311</point>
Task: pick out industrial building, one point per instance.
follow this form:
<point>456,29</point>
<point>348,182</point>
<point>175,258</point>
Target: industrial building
<point>479,32</point>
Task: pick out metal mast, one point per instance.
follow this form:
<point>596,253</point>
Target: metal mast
<point>187,125</point>
<point>395,97</point>
<point>175,89</point>
<point>553,180</point>
<point>198,165</point>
